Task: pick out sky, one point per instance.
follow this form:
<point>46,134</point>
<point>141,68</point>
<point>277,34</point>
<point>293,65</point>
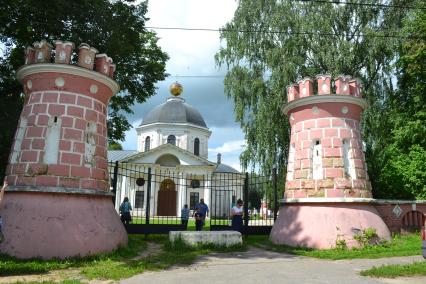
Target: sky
<point>192,54</point>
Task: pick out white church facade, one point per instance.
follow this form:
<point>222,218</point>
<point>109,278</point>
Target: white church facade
<point>170,167</point>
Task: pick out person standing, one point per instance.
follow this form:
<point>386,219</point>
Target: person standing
<point>199,218</point>
<point>237,216</point>
<point>184,215</point>
<point>125,209</point>
<point>204,209</point>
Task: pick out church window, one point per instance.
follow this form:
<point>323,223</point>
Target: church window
<point>193,199</point>
<point>197,147</point>
<point>139,199</point>
<point>316,160</point>
<point>147,143</point>
<point>171,139</point>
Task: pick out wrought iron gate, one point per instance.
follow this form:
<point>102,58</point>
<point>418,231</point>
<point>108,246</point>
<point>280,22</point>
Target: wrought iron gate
<point>157,195</point>
<point>259,194</point>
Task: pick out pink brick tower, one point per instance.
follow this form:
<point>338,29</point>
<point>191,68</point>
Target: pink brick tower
<point>327,194</point>
<point>58,203</point>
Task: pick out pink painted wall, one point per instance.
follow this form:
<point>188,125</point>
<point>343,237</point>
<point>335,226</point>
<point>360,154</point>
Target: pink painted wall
<point>59,225</point>
<point>332,123</point>
<point>321,225</point>
<point>76,107</point>
<point>58,202</point>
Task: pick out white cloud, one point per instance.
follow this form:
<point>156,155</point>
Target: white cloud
<point>229,147</point>
<point>192,53</point>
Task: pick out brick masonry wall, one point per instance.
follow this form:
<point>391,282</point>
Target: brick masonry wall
<point>394,221</point>
<point>80,110</point>
<point>326,157</point>
<point>330,127</point>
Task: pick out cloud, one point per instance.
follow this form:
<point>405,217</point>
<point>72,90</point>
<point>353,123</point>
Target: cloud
<point>192,53</point>
<point>130,142</point>
<point>193,49</point>
<point>229,147</point>
<point>204,94</point>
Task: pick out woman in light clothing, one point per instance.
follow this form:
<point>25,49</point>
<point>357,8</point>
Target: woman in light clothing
<point>237,216</point>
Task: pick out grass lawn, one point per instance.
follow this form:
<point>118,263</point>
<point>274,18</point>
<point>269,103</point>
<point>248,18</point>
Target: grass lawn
<point>400,245</point>
<point>392,271</point>
<point>122,263</point>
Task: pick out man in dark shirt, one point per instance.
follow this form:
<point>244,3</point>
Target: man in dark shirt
<point>199,219</point>
<point>204,209</point>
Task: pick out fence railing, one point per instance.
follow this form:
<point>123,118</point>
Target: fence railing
<point>158,194</point>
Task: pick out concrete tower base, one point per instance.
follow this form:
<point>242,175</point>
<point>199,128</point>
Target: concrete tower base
<point>321,222</point>
<point>59,225</point>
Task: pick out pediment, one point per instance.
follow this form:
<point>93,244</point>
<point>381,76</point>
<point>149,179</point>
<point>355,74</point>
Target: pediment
<point>168,153</point>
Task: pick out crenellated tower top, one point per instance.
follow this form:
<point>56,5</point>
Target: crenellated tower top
<point>343,85</point>
<point>42,52</point>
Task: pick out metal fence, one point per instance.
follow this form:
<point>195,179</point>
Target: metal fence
<point>157,195</point>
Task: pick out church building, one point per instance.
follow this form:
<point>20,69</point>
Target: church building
<point>172,157</point>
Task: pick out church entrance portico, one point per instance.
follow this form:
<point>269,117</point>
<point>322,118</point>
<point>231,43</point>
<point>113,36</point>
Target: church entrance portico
<point>167,198</point>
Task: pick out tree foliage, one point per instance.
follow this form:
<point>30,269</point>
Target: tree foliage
<point>400,160</point>
<point>270,44</point>
<point>115,146</point>
<point>113,27</point>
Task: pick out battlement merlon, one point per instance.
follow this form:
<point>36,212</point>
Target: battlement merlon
<point>343,85</point>
<point>87,58</point>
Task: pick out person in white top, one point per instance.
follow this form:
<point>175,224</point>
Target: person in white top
<point>237,216</point>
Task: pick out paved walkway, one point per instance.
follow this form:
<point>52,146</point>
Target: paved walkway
<point>260,266</point>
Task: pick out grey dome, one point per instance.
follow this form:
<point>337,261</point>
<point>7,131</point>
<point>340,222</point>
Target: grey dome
<point>174,110</point>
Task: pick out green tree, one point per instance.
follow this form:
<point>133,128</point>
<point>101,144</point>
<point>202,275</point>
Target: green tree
<point>270,44</point>
<point>402,161</point>
<point>113,27</point>
<point>115,146</point>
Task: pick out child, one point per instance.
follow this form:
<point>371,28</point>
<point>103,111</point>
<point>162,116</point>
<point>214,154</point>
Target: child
<point>125,208</point>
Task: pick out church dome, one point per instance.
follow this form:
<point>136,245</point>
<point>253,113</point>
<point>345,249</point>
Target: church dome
<point>174,110</point>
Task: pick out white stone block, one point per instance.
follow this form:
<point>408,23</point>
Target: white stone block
<point>219,238</point>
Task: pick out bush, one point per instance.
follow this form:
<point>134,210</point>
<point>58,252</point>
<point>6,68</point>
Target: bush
<point>367,237</point>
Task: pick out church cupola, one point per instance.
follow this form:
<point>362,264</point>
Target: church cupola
<point>175,122</point>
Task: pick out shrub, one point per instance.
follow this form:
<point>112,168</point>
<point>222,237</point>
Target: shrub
<point>367,237</point>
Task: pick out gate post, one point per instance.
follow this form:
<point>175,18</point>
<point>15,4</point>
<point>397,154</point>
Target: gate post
<point>245,194</point>
<point>274,184</point>
<point>114,183</point>
<point>148,197</point>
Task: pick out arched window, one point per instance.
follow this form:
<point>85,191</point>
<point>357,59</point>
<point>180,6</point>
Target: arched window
<point>413,220</point>
<point>290,167</point>
<point>147,143</point>
<point>197,147</point>
<point>171,139</point>
<point>347,163</point>
<point>316,160</point>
